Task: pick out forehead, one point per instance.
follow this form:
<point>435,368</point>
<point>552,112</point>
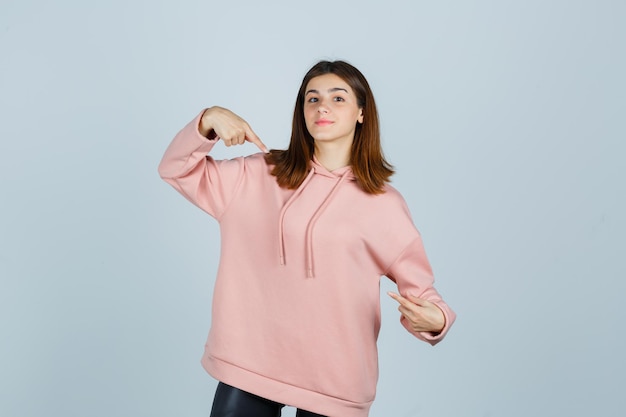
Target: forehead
<point>323,83</point>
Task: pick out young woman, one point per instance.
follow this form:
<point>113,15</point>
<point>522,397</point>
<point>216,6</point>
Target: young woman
<point>306,234</point>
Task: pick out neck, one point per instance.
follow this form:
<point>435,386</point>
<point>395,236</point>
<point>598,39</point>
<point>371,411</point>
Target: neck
<point>333,156</point>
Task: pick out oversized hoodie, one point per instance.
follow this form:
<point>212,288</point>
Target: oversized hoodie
<point>296,306</point>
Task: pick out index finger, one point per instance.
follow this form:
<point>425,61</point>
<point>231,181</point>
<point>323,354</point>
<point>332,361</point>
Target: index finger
<point>403,301</point>
<point>253,138</point>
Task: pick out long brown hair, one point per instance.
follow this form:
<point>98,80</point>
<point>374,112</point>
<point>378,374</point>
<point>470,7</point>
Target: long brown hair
<point>368,164</point>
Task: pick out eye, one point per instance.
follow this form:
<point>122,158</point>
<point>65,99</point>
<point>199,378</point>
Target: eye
<point>312,100</point>
<point>339,98</point>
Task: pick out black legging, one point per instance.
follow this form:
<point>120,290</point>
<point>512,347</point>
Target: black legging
<point>233,402</point>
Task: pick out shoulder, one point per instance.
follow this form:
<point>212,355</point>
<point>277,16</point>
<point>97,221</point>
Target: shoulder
<point>392,193</point>
<point>251,166</point>
<point>384,212</point>
<point>256,159</point>
<point>389,227</point>
<point>390,201</point>
<point>256,164</point>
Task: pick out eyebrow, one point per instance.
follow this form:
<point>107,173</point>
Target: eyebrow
<point>332,90</point>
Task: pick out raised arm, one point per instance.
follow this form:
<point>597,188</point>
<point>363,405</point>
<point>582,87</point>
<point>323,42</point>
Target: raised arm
<point>207,183</point>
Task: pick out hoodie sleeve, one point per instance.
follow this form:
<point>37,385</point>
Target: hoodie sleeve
<point>207,183</point>
<point>412,273</point>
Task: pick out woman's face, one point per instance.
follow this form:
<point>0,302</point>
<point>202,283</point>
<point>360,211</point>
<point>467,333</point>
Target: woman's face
<point>331,111</point>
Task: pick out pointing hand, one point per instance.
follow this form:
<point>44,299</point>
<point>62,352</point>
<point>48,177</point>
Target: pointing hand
<point>422,315</point>
<point>230,128</point>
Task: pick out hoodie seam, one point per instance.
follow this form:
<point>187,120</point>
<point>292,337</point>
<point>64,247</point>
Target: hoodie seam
<point>184,173</point>
<point>287,383</point>
<point>235,191</point>
<point>402,252</point>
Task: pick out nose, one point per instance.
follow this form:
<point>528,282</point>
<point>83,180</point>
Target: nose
<point>322,109</point>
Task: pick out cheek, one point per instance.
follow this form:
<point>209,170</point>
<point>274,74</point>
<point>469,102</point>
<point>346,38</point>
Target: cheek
<point>308,115</point>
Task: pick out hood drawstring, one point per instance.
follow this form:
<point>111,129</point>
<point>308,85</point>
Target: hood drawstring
<point>281,235</point>
<point>311,225</point>
<point>309,229</point>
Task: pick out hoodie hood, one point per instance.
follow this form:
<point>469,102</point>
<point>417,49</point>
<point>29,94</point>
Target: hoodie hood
<point>340,175</point>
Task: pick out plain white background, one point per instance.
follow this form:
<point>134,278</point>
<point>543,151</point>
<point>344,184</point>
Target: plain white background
<point>505,120</point>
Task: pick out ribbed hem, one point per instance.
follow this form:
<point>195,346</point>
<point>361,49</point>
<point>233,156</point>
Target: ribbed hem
<point>281,392</point>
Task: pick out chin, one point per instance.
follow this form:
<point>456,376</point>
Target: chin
<point>323,139</point>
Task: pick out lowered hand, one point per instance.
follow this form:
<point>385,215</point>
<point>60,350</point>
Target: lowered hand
<point>422,315</point>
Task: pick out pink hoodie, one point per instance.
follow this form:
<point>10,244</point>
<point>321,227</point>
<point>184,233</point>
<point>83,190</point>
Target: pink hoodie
<point>296,307</point>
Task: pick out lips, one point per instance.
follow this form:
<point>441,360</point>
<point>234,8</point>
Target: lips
<point>324,122</point>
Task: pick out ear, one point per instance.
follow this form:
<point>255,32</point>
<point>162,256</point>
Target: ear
<point>360,118</point>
